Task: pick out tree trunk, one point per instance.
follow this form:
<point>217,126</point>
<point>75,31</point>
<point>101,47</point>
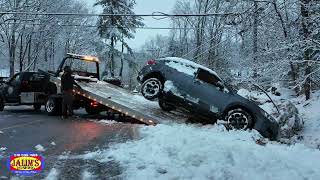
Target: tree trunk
<point>121,60</point>
<point>12,52</point>
<point>21,53</point>
<point>305,4</point>
<point>255,38</point>
<point>111,63</point>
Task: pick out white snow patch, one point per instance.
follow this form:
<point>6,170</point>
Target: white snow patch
<point>310,111</point>
<point>186,62</point>
<point>190,152</point>
<point>53,174</point>
<point>3,148</point>
<point>86,175</point>
<point>108,122</point>
<point>1,132</point>
<point>77,77</point>
<point>40,148</point>
<point>53,143</point>
<point>214,109</point>
<point>168,86</point>
<point>182,68</point>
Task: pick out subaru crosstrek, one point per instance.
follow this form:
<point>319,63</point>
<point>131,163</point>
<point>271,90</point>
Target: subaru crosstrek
<point>180,83</point>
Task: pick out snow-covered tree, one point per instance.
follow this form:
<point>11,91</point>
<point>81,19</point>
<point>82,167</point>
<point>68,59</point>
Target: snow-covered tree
<point>117,28</point>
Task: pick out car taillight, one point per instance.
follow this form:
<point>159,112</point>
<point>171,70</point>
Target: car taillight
<point>94,104</point>
<point>151,62</point>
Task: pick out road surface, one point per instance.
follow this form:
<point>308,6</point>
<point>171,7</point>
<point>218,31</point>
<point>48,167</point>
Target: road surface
<point>22,129</point>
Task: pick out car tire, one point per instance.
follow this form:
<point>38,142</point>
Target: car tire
<point>53,107</point>
<point>151,88</point>
<point>92,111</point>
<point>37,107</point>
<point>165,106</point>
<point>239,119</point>
<point>1,105</point>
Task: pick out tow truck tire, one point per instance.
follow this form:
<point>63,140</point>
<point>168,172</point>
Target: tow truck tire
<point>37,107</point>
<point>1,105</point>
<point>53,107</point>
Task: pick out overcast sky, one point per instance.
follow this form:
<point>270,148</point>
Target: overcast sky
<point>148,7</point>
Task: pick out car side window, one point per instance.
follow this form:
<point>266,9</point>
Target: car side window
<point>36,77</point>
<point>209,78</point>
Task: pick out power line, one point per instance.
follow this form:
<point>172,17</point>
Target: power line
<point>95,26</point>
<point>155,14</point>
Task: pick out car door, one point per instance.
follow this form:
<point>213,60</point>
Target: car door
<point>181,81</point>
<point>12,90</point>
<point>213,95</point>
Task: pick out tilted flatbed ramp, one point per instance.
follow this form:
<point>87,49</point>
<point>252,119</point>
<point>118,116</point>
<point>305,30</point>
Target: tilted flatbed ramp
<point>121,100</point>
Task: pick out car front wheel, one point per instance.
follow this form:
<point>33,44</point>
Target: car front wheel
<point>151,88</point>
<point>239,119</point>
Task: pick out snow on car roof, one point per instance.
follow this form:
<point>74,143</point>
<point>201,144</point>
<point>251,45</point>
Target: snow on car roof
<point>191,63</point>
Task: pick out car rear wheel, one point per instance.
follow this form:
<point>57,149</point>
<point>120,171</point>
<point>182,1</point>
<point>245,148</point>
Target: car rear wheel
<point>151,88</point>
<point>165,106</point>
<point>53,107</point>
<point>239,119</point>
<point>37,107</point>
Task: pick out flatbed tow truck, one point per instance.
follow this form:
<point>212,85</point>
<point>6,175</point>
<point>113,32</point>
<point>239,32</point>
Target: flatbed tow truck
<point>95,95</point>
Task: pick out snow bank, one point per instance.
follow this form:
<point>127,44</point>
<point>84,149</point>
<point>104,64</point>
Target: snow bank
<point>191,152</point>
<point>310,111</point>
<point>108,122</point>
<point>40,148</point>
<point>53,174</point>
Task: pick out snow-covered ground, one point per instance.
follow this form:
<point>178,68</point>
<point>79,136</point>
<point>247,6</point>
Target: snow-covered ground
<point>197,152</point>
<point>181,151</point>
<point>310,111</point>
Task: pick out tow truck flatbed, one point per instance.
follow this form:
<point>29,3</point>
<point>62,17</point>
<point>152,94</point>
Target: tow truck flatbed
<point>123,101</point>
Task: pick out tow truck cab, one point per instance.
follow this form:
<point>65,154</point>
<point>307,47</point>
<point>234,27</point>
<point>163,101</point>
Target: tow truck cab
<point>25,88</point>
<point>84,69</point>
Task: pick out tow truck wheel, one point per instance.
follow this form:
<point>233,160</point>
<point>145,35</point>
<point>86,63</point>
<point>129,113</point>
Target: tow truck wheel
<point>1,105</point>
<point>151,88</point>
<point>52,107</point>
<point>37,107</point>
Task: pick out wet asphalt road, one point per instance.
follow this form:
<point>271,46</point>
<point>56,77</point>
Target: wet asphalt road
<point>21,129</point>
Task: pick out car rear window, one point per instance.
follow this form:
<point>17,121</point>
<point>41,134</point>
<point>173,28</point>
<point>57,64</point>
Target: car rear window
<point>207,77</point>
